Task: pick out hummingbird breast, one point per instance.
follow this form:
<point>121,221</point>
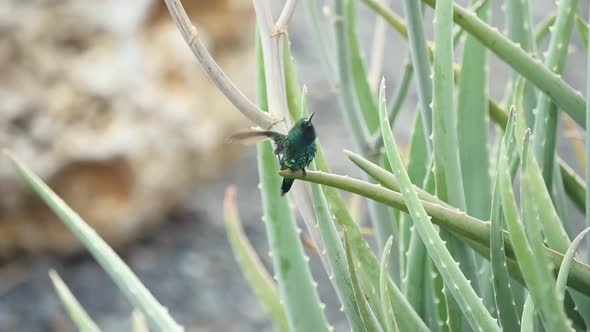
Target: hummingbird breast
<point>298,156</point>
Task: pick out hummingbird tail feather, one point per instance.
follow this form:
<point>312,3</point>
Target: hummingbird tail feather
<point>252,136</point>
<point>287,183</point>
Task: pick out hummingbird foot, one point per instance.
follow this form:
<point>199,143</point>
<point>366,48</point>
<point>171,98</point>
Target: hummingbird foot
<point>304,172</point>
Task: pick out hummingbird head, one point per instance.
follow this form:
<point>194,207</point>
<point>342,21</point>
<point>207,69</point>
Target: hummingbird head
<point>305,129</point>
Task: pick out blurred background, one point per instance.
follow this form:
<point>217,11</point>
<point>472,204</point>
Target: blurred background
<point>104,100</point>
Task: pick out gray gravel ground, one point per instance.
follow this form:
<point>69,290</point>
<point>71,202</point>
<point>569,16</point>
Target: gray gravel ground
<point>187,263</point>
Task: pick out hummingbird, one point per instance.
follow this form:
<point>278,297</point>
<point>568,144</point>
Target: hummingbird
<point>295,150</point>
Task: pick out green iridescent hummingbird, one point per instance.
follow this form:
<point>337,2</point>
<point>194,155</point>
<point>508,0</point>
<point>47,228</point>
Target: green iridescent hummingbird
<point>295,150</point>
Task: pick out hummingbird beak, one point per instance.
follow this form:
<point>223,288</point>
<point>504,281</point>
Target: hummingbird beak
<point>310,116</point>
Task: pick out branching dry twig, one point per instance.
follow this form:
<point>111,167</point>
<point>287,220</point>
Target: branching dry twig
<point>283,21</point>
<point>213,71</point>
<point>272,52</point>
<point>272,48</point>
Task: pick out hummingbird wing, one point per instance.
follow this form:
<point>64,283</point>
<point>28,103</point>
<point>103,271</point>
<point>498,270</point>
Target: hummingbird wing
<point>255,136</point>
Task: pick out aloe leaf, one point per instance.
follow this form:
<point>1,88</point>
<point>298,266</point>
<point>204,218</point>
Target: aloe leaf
<point>472,125</point>
<point>337,259</point>
<point>545,211</point>
<point>587,170</point>
<point>386,308</point>
<point>457,284</point>
<point>421,64</point>
<point>528,315</point>
<point>362,87</point>
<point>567,260</point>
<point>546,117</point>
<point>135,291</point>
<point>407,319</point>
<point>447,170</point>
<point>575,187</point>
<point>566,98</point>
<point>503,296</point>
<point>413,252</point>
<point>348,104</point>
<point>534,267</point>
<point>559,196</point>
<point>398,100</point>
<point>415,276</point>
<point>401,93</point>
<point>447,166</point>
<point>543,28</point>
<point>296,286</point>
<point>416,255</point>
<point>519,24</point>
<point>387,179</point>
<point>582,30</point>
<point>75,310</point>
<point>252,268</point>
<point>369,319</point>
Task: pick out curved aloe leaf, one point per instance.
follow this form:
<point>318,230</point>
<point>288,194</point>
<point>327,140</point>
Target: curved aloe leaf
<point>503,296</point>
<point>413,252</point>
<point>158,317</point>
<point>529,307</point>
<point>386,308</point>
<point>75,310</point>
<point>567,261</point>
<point>535,269</point>
<point>471,305</point>
<point>337,259</point>
<point>369,320</point>
<point>252,268</point>
<point>542,29</point>
<point>407,318</point>
<point>545,211</point>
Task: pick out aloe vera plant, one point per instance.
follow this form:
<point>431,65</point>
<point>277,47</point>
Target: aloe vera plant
<point>456,250</point>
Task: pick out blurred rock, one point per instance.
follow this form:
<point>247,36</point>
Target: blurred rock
<point>104,101</point>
